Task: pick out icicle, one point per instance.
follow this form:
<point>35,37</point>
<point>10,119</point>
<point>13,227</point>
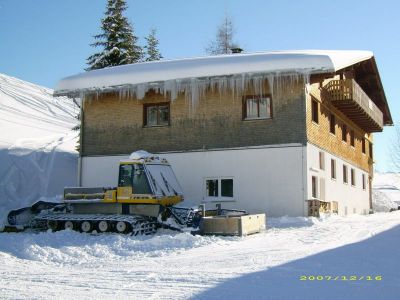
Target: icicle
<point>194,92</point>
<point>196,88</point>
<point>141,90</point>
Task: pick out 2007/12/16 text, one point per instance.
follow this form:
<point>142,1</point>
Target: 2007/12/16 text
<point>340,278</point>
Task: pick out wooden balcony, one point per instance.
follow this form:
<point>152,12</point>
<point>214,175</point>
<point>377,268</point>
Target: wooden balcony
<point>347,96</point>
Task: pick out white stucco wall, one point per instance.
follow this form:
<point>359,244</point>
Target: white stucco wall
<point>266,179</point>
<point>351,199</point>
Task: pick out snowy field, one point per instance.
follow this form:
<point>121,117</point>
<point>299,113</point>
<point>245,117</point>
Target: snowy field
<point>171,265</point>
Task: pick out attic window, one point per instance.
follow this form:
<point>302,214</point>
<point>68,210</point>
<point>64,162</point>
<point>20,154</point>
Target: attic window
<point>257,107</point>
<point>156,114</point>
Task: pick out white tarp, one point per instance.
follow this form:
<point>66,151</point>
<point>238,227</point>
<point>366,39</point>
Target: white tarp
<point>37,145</point>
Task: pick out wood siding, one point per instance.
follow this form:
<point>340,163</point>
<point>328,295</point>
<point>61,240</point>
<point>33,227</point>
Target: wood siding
<point>115,126</point>
<point>320,135</point>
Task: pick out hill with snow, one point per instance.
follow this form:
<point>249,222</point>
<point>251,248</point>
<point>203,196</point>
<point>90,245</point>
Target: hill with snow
<point>37,143</point>
<point>385,192</point>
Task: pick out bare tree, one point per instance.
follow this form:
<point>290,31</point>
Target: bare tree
<point>395,150</point>
<point>223,42</point>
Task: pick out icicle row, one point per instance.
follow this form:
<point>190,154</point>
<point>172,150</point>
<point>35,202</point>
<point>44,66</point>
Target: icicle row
<point>195,89</point>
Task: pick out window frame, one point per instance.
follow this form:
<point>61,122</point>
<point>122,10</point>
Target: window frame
<point>344,133</point>
<point>314,187</point>
<point>332,124</point>
<point>322,160</point>
<point>219,198</point>
<point>353,177</point>
<point>352,139</point>
<point>157,104</point>
<point>258,98</point>
<point>363,148</point>
<point>333,169</point>
<point>345,174</point>
<point>364,181</point>
<point>315,110</point>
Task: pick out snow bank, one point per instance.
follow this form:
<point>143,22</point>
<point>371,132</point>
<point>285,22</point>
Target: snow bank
<point>172,265</point>
<point>73,248</point>
<point>289,222</point>
<point>37,156</point>
<point>386,191</point>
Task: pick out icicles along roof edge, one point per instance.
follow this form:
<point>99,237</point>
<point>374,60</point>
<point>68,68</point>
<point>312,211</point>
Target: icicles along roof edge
<point>171,75</point>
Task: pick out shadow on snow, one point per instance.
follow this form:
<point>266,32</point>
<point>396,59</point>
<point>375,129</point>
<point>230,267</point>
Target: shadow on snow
<point>376,256</point>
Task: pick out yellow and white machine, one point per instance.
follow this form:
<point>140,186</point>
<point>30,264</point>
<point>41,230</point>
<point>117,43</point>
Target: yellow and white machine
<point>147,186</point>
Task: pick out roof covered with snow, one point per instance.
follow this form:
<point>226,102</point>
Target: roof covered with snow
<point>299,61</point>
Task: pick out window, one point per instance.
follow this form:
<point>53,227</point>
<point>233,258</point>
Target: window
<point>314,191</point>
<point>134,176</point>
<point>344,133</point>
<point>333,169</point>
<point>156,114</point>
<point>322,160</point>
<point>255,107</point>
<point>352,138</point>
<point>218,189</point>
<point>353,177</point>
<point>212,188</point>
<point>345,179</point>
<point>332,124</point>
<point>364,183</point>
<point>227,188</point>
<point>314,110</point>
<point>363,145</point>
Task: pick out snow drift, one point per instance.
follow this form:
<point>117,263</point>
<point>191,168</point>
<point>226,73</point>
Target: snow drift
<point>37,156</point>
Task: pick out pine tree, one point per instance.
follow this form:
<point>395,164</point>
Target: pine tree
<point>152,51</point>
<point>117,40</point>
<point>223,42</point>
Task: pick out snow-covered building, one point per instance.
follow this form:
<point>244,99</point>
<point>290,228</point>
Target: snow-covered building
<point>271,131</point>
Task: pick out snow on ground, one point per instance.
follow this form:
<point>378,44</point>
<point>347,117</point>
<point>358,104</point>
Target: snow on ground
<point>173,265</point>
<point>386,191</point>
<point>37,156</point>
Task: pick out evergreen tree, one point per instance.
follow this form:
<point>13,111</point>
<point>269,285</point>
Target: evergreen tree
<point>223,42</point>
<point>152,51</point>
<point>117,40</point>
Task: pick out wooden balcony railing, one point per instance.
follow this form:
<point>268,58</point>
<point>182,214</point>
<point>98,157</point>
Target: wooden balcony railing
<point>349,98</point>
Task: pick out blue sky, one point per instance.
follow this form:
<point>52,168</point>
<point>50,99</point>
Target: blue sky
<point>44,40</point>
